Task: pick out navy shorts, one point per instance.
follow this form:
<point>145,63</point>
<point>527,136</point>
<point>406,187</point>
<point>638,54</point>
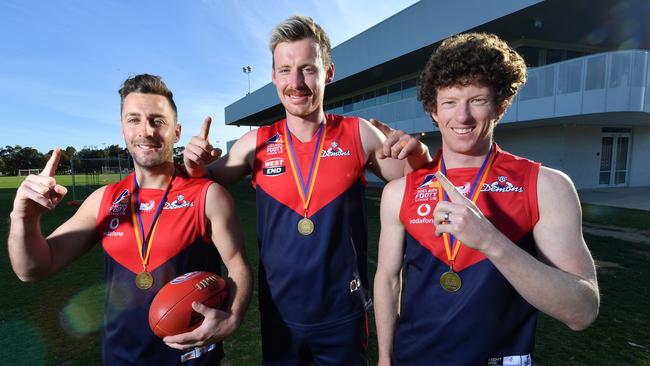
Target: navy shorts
<point>340,344</point>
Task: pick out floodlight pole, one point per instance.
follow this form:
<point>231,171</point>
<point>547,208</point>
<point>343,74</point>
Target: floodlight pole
<point>247,70</point>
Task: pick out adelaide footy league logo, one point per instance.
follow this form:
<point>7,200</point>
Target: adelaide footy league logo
<point>428,189</point>
<point>274,145</point>
<point>118,207</point>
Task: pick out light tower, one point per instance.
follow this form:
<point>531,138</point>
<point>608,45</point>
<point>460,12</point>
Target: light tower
<point>247,70</point>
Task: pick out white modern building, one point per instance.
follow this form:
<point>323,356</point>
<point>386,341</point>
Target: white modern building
<point>585,108</point>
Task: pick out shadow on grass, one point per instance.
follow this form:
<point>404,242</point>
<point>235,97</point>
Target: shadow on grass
<point>36,327</point>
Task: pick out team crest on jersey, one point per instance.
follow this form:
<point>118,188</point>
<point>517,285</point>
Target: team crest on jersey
<point>119,205</point>
<point>179,202</point>
<point>464,189</point>
<point>274,167</point>
<point>147,206</point>
<point>501,185</point>
<point>275,145</point>
<point>334,150</point>
<point>428,189</point>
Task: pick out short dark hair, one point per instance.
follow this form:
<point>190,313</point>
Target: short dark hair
<point>473,58</point>
<point>147,84</point>
<point>299,27</point>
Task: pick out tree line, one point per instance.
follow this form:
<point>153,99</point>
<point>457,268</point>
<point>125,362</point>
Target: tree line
<point>88,159</point>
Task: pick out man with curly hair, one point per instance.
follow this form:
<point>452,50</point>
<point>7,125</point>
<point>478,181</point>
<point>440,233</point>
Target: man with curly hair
<point>474,244</point>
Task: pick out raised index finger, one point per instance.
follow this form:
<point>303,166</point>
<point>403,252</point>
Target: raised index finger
<point>52,164</point>
<point>454,194</point>
<point>205,128</point>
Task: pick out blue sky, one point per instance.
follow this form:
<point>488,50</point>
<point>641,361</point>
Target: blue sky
<point>62,62</point>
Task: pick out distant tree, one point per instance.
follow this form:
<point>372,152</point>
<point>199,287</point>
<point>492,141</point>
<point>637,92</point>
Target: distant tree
<point>18,157</point>
<point>70,151</point>
<point>2,166</point>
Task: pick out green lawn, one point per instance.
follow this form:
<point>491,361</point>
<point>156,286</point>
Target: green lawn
<point>58,321</point>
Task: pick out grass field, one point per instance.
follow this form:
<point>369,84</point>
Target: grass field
<point>58,321</point>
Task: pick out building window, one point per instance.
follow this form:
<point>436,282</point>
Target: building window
<point>530,55</point>
<point>409,89</point>
<point>381,96</point>
<point>347,105</point>
<point>619,75</point>
<point>395,92</point>
<point>595,73</point>
<point>570,74</point>
<point>541,83</point>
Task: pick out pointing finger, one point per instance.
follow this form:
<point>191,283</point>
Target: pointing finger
<point>454,194</point>
<point>205,128</point>
<point>52,164</point>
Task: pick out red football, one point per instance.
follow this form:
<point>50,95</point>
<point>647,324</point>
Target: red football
<point>171,311</point>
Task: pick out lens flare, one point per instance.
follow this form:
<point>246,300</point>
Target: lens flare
<point>84,312</point>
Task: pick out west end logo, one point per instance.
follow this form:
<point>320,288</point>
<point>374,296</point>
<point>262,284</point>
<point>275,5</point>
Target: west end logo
<point>274,145</point>
<point>334,150</point>
<point>274,167</point>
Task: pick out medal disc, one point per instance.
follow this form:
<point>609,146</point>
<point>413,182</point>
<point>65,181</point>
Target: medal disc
<point>305,226</point>
<point>144,280</point>
<point>450,281</point>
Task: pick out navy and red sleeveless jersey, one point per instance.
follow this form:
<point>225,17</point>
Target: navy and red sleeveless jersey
<point>486,322</point>
<point>180,245</point>
<point>306,281</point>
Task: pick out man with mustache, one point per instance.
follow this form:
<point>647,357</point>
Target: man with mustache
<point>308,173</point>
<point>145,245</point>
<point>461,277</point>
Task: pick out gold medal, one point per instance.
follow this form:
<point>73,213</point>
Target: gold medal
<point>305,226</point>
<point>450,281</point>
<point>144,280</point>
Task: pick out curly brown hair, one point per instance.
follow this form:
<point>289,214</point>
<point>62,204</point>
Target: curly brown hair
<point>473,58</point>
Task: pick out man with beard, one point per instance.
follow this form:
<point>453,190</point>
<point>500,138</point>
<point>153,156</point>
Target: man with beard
<point>310,205</point>
<point>154,225</point>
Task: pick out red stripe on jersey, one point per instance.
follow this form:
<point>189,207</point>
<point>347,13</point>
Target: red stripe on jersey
<point>181,222</point>
<point>341,164</point>
<point>510,187</point>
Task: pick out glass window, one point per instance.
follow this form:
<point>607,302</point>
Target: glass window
<point>395,92</point>
<point>638,68</point>
<point>409,89</point>
<point>619,73</point>
<point>380,96</point>
<point>569,77</point>
<point>570,55</point>
<point>347,105</point>
<point>540,83</point>
<point>554,56</point>
<point>357,102</point>
<point>530,55</point>
<point>595,78</point>
<point>369,99</point>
